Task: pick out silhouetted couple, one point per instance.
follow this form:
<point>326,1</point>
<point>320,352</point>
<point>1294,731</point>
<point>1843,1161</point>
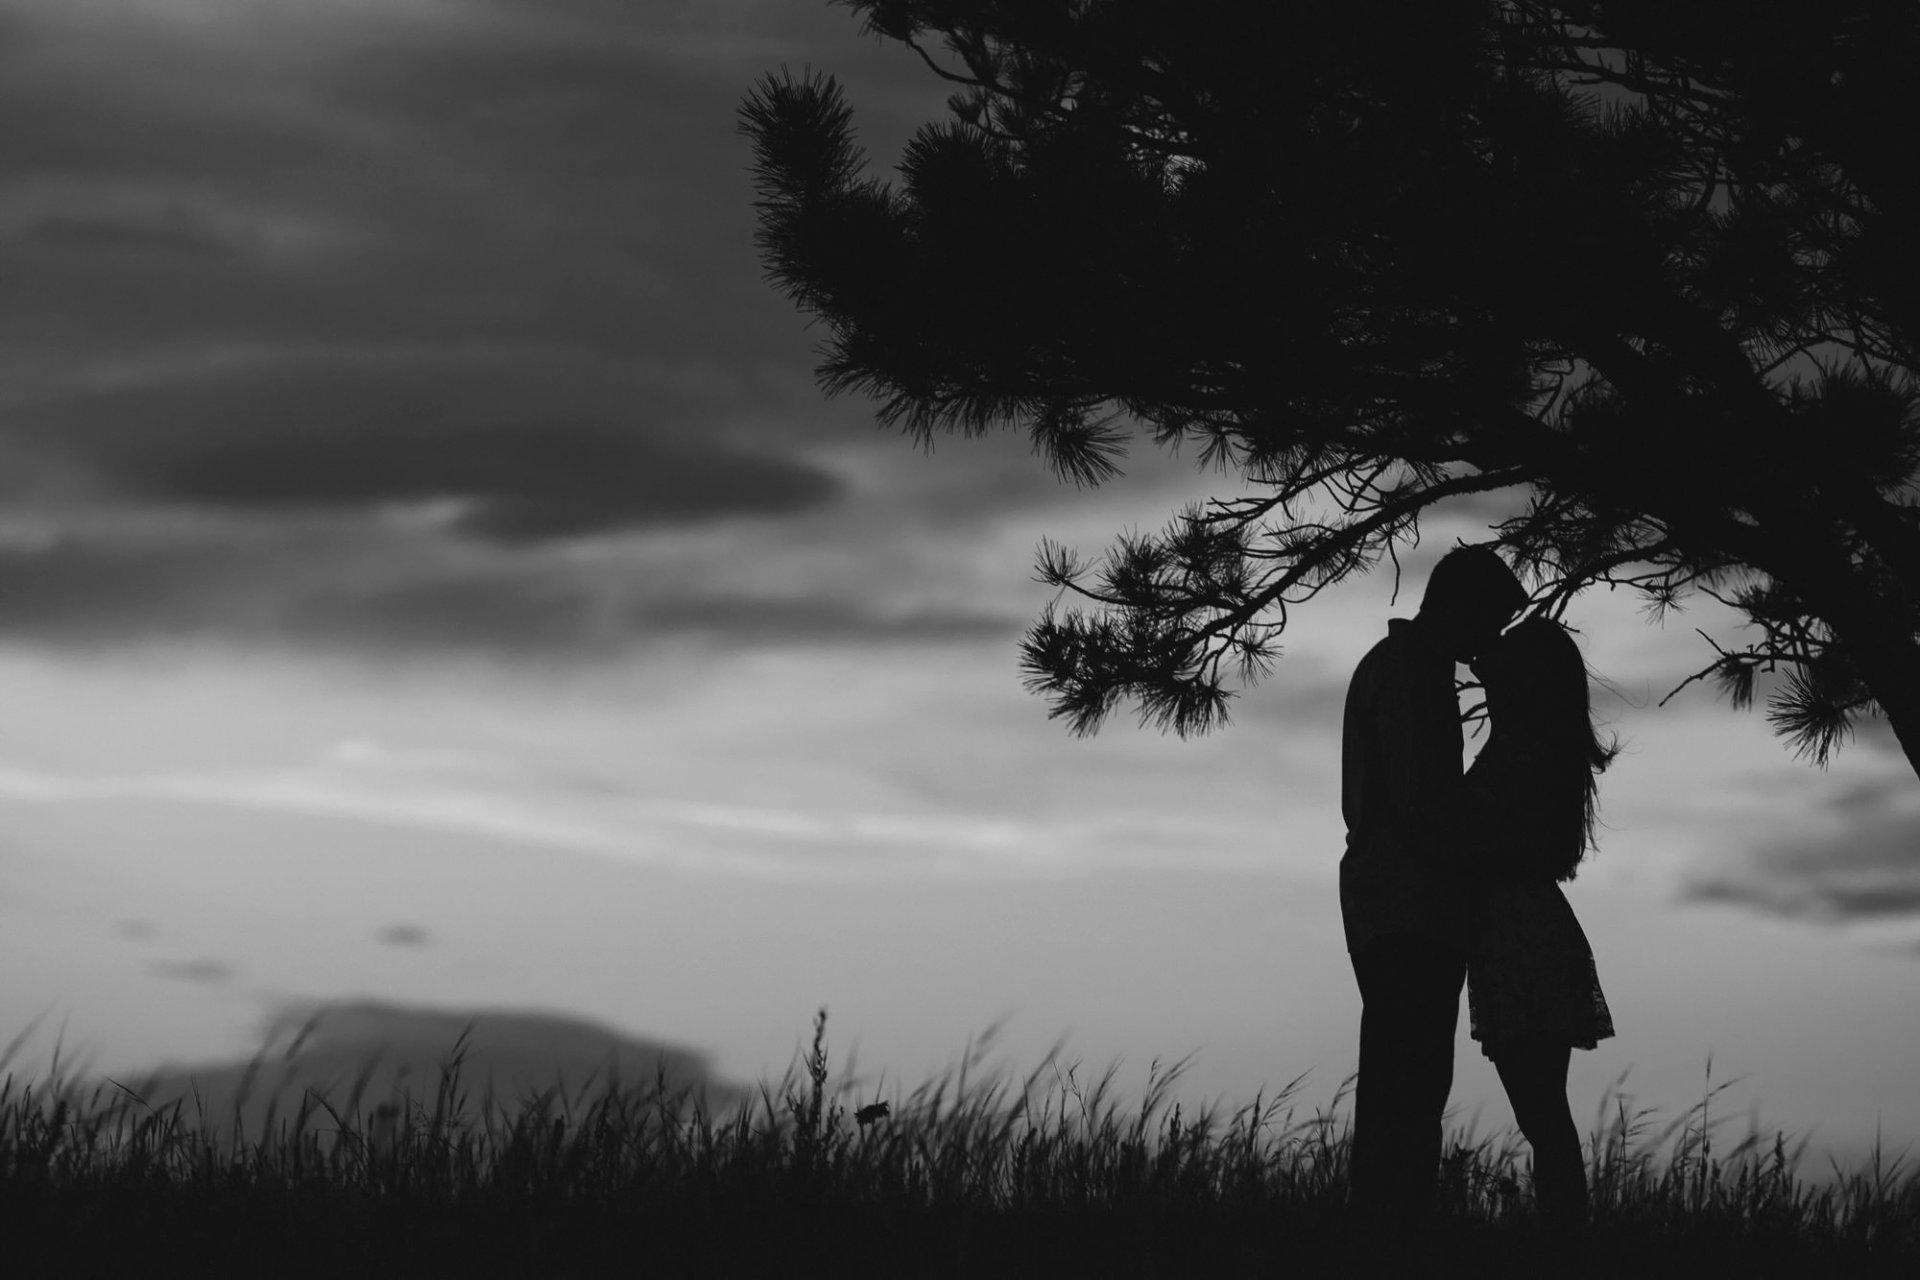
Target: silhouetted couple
<point>1450,880</point>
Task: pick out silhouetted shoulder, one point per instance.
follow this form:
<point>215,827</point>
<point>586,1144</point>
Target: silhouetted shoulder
<point>1395,651</point>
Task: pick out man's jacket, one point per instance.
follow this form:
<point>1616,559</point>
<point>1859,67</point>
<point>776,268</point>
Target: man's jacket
<point>1399,791</point>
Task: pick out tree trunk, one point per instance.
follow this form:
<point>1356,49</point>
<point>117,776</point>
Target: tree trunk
<point>1886,655</point>
<point>1817,562</point>
<point>1890,665</point>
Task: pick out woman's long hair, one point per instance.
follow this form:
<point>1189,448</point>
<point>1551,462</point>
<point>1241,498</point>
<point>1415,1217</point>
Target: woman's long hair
<point>1541,664</point>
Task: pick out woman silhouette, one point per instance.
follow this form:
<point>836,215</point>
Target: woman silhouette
<point>1532,992</point>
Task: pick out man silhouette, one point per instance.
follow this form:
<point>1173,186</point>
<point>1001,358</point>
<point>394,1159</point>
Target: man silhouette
<point>1403,895</point>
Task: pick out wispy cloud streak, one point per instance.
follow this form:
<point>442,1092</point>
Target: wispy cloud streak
<point>490,798</point>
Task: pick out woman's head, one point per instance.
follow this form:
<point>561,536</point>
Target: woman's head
<point>1534,676</point>
<point>1537,690</point>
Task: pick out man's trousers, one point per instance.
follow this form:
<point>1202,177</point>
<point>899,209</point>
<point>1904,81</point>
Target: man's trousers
<point>1410,1007</point>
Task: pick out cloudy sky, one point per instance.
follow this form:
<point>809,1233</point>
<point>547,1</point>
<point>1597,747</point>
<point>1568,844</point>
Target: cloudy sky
<point>428,573</point>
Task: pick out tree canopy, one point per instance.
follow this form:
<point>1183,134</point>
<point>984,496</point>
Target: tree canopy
<point>1655,261</point>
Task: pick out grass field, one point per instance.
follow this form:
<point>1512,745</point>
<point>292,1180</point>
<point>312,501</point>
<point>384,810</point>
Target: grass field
<point>967,1175</point>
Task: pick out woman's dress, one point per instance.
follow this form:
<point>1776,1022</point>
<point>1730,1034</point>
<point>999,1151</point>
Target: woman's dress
<point>1530,970</point>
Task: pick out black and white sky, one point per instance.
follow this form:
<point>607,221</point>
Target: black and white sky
<point>429,571</point>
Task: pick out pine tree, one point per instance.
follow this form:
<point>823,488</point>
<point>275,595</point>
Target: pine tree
<point>1655,262</point>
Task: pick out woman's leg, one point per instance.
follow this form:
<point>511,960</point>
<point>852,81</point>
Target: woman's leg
<point>1535,1076</point>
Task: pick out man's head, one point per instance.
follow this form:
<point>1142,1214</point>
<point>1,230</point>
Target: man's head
<point>1470,597</point>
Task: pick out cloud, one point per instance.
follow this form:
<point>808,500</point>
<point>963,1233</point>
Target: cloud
<point>531,450</point>
<point>91,592</point>
<point>604,817</point>
<point>210,973</point>
<point>606,813</point>
<point>344,326</point>
<point>1826,900</point>
<point>329,590</point>
<point>1858,861</point>
<point>403,935</point>
<point>820,619</point>
<point>97,236</point>
<point>518,172</point>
